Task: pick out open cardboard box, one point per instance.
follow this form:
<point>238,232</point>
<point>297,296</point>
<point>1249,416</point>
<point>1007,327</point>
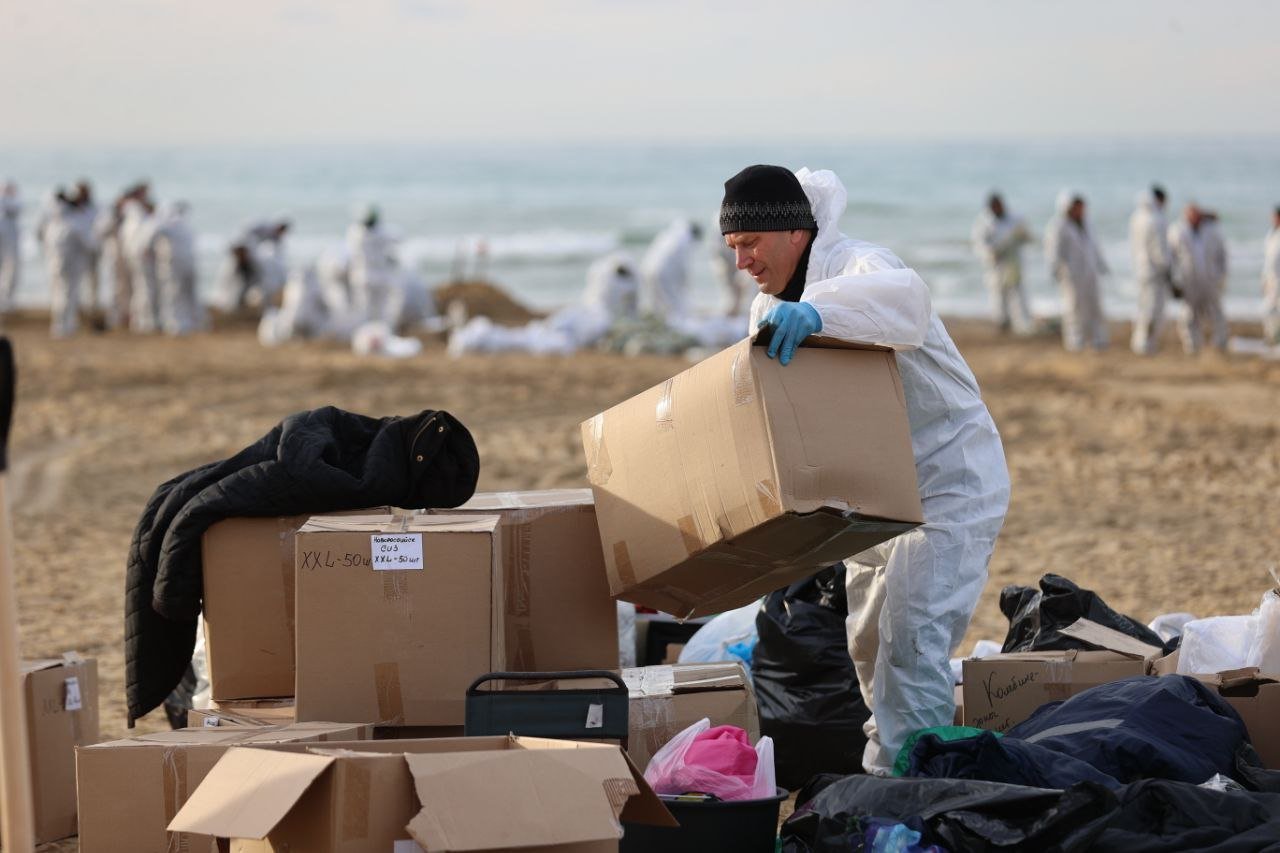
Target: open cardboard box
<point>739,476</point>
<point>1003,690</point>
<point>474,794</point>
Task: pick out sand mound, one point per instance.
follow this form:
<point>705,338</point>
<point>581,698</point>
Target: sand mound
<point>482,299</point>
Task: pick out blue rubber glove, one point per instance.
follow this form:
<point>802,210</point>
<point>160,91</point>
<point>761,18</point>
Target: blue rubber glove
<point>792,322</point>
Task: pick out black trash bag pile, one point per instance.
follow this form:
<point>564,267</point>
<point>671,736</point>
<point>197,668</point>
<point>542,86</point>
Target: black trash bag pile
<point>1150,816</point>
<point>1036,616</point>
<point>805,683</point>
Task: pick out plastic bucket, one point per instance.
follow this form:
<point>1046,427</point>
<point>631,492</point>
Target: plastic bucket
<point>744,826</point>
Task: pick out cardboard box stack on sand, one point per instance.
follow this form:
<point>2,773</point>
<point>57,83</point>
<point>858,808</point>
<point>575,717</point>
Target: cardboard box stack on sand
<point>728,481</point>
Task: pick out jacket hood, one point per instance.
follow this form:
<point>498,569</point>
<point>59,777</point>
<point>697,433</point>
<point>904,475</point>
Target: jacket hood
<point>828,198</point>
<point>1065,195</point>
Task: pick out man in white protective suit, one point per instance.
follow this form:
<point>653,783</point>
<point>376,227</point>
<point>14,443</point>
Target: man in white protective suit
<point>373,272</point>
<point>664,269</point>
<point>1271,282</point>
<point>1076,263</point>
<point>998,237</point>
<point>10,245</point>
<point>1148,240</point>
<point>911,598</point>
<point>1199,270</point>
<point>66,240</point>
<point>175,246</point>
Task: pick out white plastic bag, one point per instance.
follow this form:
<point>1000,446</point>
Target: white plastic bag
<point>669,773</point>
<point>1170,625</point>
<point>1216,644</point>
<point>1265,653</point>
<point>712,641</point>
<point>626,634</point>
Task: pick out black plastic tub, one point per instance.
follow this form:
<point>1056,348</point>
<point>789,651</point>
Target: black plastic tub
<point>744,826</point>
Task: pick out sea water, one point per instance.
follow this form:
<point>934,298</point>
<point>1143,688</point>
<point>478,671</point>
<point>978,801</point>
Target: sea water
<point>545,211</point>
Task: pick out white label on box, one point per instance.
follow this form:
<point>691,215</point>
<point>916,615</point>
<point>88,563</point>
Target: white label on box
<point>409,846</point>
<point>73,702</point>
<point>595,716</point>
<point>396,551</point>
<point>212,722</point>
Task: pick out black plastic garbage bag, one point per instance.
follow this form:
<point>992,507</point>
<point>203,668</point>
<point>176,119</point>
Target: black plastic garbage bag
<point>958,814</point>
<point>805,683</point>
<point>1151,816</point>
<point>1036,616</point>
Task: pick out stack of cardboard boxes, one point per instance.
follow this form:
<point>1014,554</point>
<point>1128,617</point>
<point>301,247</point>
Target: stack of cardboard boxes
<point>726,482</point>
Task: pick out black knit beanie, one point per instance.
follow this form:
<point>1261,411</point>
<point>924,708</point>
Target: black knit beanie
<point>765,198</point>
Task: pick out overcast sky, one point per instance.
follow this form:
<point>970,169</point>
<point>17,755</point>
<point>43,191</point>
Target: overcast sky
<point>271,71</point>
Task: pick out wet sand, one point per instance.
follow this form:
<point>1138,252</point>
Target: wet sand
<point>1153,481</point>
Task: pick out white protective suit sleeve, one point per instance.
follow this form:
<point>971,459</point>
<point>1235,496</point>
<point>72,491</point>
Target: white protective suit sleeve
<point>889,307</point>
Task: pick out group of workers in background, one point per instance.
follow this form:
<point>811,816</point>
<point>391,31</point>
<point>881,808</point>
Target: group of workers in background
<point>132,266</point>
<point>1185,260</point>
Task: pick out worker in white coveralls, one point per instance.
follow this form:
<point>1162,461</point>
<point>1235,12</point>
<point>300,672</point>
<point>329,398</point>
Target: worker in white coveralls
<point>664,269</point>
<point>1199,270</point>
<point>10,245</point>
<point>911,598</point>
<point>998,238</point>
<point>1271,282</point>
<point>1076,263</point>
<point>1149,243</point>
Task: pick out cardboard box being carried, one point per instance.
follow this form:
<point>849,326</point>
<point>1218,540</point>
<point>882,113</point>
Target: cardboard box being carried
<point>474,794</point>
<point>1002,690</point>
<point>248,605</point>
<point>558,612</point>
<point>739,476</point>
<point>666,700</point>
<point>130,789</point>
<point>61,698</point>
<point>396,616</point>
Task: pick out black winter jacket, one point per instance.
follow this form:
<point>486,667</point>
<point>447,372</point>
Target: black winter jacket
<point>325,460</point>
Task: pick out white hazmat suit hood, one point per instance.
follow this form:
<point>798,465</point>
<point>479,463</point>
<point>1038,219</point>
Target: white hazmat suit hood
<point>911,598</point>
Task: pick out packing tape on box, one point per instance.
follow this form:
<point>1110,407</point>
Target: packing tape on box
<point>356,780</point>
<point>649,680</point>
<point>767,498</point>
<point>173,767</point>
<point>286,533</point>
<point>517,542</point>
<point>743,377</point>
<point>386,679</point>
<point>622,562</point>
<point>599,468</point>
<point>654,717</point>
<point>665,410</point>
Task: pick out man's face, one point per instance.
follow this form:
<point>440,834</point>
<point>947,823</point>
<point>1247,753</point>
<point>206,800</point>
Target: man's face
<point>1193,215</point>
<point>1076,210</point>
<point>997,208</point>
<point>769,256</point>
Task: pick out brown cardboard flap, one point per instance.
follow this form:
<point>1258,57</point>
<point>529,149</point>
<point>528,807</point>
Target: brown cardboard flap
<point>544,797</point>
<point>763,336</point>
<point>1110,639</point>
<point>248,792</point>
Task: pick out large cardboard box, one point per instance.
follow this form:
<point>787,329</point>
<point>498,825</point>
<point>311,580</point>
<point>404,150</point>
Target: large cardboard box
<point>1002,690</point>
<point>558,611</point>
<point>738,476</point>
<point>61,698</point>
<point>396,616</point>
<point>248,605</point>
<point>666,700</point>
<point>474,794</point>
<point>130,789</point>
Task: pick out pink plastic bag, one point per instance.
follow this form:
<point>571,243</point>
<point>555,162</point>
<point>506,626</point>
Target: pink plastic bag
<point>717,761</point>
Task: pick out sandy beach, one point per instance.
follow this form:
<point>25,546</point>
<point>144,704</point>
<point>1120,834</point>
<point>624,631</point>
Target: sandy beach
<point>1152,481</point>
